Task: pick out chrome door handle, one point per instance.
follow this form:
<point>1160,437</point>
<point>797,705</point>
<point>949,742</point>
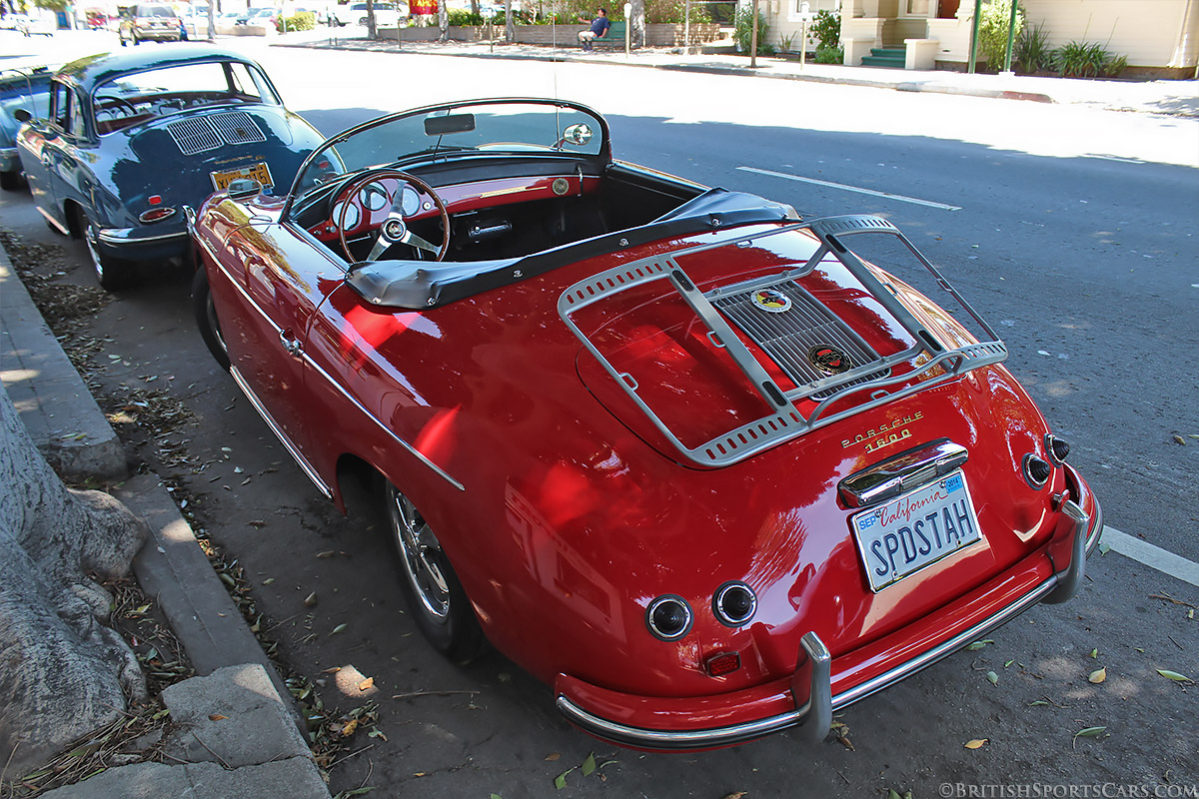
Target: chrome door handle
<point>291,345</point>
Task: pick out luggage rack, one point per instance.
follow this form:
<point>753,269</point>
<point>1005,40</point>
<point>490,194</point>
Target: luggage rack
<point>785,421</point>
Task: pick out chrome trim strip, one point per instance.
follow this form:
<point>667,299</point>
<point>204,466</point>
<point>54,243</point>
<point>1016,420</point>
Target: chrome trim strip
<point>301,461</point>
<point>54,223</point>
<point>420,456</point>
<point>900,473</point>
<point>124,236</point>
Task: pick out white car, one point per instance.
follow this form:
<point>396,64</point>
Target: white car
<point>387,15</point>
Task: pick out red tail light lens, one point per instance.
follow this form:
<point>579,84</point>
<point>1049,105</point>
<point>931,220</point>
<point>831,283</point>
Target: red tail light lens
<point>722,663</point>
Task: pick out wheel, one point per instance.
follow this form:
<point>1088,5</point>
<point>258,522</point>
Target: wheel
<point>10,181</point>
<point>435,597</point>
<point>111,273</point>
<point>206,318</point>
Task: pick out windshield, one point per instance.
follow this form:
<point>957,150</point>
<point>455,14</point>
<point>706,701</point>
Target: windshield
<point>477,127</point>
<point>155,11</point>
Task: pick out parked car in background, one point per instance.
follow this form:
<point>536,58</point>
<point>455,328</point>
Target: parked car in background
<point>22,88</point>
<point>153,22</point>
<point>387,15</point>
<point>195,23</point>
<point>265,17</point>
<point>131,138</point>
<point>709,469</point>
<point>226,21</point>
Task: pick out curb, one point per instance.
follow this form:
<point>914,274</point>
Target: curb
<point>171,569</point>
<point>51,398</point>
<point>704,69</point>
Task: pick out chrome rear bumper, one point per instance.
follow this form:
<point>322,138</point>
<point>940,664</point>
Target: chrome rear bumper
<point>812,682</point>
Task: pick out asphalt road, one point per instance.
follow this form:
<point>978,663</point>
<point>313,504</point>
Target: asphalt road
<point>1086,265</point>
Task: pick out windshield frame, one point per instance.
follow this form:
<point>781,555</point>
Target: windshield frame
<point>603,154</point>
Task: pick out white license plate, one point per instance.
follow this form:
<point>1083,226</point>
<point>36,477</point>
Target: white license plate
<point>912,531</point>
<point>259,172</point>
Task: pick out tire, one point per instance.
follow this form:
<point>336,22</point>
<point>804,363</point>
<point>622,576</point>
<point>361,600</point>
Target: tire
<point>206,318</point>
<point>111,273</point>
<point>10,181</point>
<point>435,597</point>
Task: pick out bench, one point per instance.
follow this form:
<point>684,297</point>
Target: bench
<point>614,37</point>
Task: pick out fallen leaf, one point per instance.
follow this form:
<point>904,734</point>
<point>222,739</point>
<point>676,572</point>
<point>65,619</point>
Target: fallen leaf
<point>552,756</point>
<point>1098,676</point>
<point>1173,675</point>
<point>1010,662</point>
<point>1038,703</point>
<point>268,581</point>
<point>1094,653</point>
<point>339,628</point>
<point>736,795</point>
<point>217,717</point>
<point>977,645</point>
<point>976,743</point>
<point>993,677</point>
<point>310,600</point>
<point>1177,438</point>
<point>349,728</point>
<point>588,767</point>
<point>560,780</point>
<point>366,684</point>
<point>328,553</point>
<point>1090,732</point>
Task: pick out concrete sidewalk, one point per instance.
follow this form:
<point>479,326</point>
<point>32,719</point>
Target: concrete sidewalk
<point>1171,97</point>
<point>236,731</point>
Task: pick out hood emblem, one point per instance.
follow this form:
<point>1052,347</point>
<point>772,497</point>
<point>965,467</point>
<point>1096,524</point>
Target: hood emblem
<point>770,300</point>
<point>829,360</point>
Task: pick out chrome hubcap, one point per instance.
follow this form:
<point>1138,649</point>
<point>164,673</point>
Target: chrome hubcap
<point>421,555</point>
<point>89,236</point>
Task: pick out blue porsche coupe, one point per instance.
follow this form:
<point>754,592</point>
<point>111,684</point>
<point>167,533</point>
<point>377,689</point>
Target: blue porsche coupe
<point>131,138</point>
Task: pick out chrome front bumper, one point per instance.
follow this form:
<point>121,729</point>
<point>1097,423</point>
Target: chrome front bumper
<point>811,686</point>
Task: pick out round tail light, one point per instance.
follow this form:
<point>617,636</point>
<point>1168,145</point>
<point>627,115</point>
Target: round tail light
<point>734,604</point>
<point>668,617</point>
<point>1036,471</point>
<point>1058,449</point>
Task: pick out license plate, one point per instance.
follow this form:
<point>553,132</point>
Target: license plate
<point>915,530</point>
<point>259,172</point>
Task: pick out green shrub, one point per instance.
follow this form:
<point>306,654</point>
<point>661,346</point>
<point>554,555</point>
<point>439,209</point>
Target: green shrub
<point>303,21</point>
<point>1087,60</point>
<point>827,30</point>
<point>830,55</point>
<point>674,11</point>
<point>993,31</point>
<point>1033,53</point>
<point>743,31</point>
<point>460,16</point>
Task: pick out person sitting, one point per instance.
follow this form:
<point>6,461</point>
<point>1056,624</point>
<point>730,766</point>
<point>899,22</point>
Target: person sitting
<point>599,29</point>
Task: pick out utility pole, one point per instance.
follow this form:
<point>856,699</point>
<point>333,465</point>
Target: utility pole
<point>1011,36</point>
<point>753,39</point>
<point>978,10</point>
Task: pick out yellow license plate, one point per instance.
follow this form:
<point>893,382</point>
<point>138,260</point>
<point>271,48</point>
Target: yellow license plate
<point>259,172</point>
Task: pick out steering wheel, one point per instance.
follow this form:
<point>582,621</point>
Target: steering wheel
<point>109,102</point>
<point>394,229</point>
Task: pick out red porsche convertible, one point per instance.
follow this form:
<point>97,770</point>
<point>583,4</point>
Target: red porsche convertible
<point>709,469</point>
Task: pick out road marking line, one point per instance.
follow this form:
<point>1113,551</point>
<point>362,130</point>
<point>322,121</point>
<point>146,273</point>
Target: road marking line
<point>1153,557</point>
<point>842,186</point>
<point>1114,158</point>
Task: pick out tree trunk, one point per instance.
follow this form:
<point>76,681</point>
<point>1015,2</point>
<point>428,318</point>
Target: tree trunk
<point>62,672</point>
<point>637,24</point>
<point>372,27</point>
<point>509,27</point>
<point>443,22</point>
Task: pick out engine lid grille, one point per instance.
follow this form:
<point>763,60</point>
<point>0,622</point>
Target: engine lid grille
<point>201,134</point>
<point>237,127</point>
<point>799,333</point>
<point>196,135</point>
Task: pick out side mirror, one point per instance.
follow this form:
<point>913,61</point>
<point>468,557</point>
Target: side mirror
<point>21,115</point>
<point>243,188</point>
<point>577,134</point>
